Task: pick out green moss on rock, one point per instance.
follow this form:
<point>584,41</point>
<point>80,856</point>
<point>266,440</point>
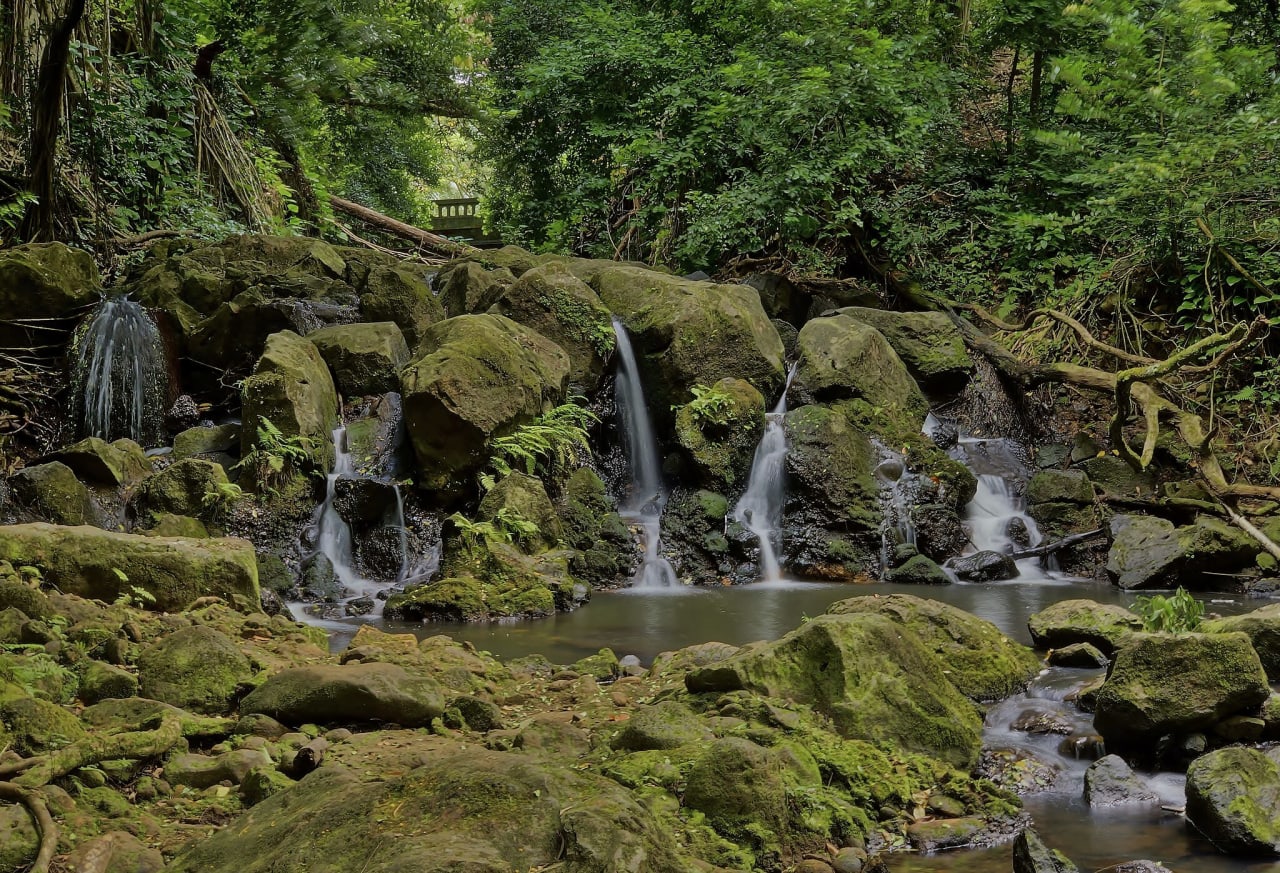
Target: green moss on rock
<point>720,442</point>
<point>194,668</point>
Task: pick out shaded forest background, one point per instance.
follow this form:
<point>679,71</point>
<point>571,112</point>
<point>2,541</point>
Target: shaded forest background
<point>1114,159</point>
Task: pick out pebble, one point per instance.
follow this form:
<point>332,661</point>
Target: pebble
<point>620,699</point>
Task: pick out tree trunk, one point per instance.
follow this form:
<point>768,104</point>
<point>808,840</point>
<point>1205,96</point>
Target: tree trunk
<point>46,122</point>
<point>1037,82</point>
<point>1008,96</point>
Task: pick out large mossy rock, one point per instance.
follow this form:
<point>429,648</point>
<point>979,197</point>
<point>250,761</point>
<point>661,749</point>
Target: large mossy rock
<point>524,496</point>
<point>927,342</point>
<point>102,565</point>
<point>1262,626</point>
<point>591,524</point>
<point>1031,855</point>
<point>467,288</point>
<point>475,810</point>
<point>195,668</point>
<point>875,679</point>
<point>843,359</point>
<point>689,333</point>
<point>564,309</point>
<point>1233,798</point>
<point>1068,622</point>
<point>43,281</point>
<point>1162,684</point>
<point>980,661</point>
<point>51,492</point>
<point>292,388</point>
<point>191,488</point>
<point>102,463</point>
<point>720,442</point>
<point>835,533</point>
<point>351,693</point>
<point>1149,552</point>
<point>475,377</point>
<point>396,293</point>
<point>364,358</point>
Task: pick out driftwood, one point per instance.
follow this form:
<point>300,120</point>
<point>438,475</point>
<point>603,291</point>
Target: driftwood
<point>432,242</point>
<point>1046,549</point>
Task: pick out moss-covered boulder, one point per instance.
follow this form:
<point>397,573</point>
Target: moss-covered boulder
<point>1067,622</point>
<point>565,310</point>
<point>43,281</point>
<point>364,358</point>
<point>467,288</point>
<point>475,377</point>
<point>591,524</point>
<point>399,294</point>
<point>980,661</point>
<point>667,724</point>
<point>1162,684</point>
<point>875,679</point>
<point>1262,626</point>
<point>719,431</point>
<point>99,462</point>
<point>830,464</point>
<point>927,342</point>
<point>19,840</point>
<point>351,693</point>
<point>292,388</point>
<point>692,333</point>
<point>106,682</point>
<point>741,788</point>
<point>194,668</point>
<point>191,487</point>
<point>472,810</point>
<point>51,492</point>
<point>918,570</point>
<point>34,726</point>
<point>206,442</point>
<point>842,358</point>
<point>1233,798</point>
<point>1149,552</point>
<point>491,579</point>
<point>102,565</point>
<point>517,496</point>
<point>1031,855</point>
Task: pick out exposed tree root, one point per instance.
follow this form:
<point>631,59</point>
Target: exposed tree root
<point>26,776</point>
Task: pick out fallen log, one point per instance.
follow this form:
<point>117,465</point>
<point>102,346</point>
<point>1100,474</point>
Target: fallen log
<point>1045,549</point>
<point>424,238</point>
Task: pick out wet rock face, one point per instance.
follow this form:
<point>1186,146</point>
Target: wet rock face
<point>1233,798</point>
<point>1176,684</point>
<point>985,567</point>
<point>292,388</point>
<point>928,343</point>
<point>1148,552</point>
<point>1262,626</point>
<point>364,358</point>
<point>1031,855</point>
<point>1110,782</point>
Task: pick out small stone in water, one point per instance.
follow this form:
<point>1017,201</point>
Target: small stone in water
<point>360,606</point>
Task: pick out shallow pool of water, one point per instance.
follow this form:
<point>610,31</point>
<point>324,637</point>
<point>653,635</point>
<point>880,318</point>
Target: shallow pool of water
<point>646,622</point>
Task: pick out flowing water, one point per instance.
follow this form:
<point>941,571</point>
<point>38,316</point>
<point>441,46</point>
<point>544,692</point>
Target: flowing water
<point>759,509</point>
<point>334,538</point>
<point>120,376</point>
<point>647,498</point>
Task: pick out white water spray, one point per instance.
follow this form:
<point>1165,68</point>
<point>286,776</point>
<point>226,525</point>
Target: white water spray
<point>759,509</point>
<point>644,505</point>
<point>120,375</point>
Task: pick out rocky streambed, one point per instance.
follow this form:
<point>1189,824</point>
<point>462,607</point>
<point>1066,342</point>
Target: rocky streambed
<point>557,462</point>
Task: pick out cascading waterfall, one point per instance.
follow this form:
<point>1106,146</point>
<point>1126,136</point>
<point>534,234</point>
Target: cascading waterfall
<point>898,487</point>
<point>644,505</point>
<point>334,539</point>
<point>759,509</point>
<point>120,376</point>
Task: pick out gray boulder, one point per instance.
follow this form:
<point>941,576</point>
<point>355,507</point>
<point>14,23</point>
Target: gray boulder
<point>1233,798</point>
<point>1111,782</point>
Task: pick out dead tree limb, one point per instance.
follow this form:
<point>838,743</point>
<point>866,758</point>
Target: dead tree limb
<point>1046,549</point>
<point>426,239</point>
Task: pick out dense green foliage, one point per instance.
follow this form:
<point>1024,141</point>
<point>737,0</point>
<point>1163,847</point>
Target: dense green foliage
<point>1130,150</point>
<point>237,113</point>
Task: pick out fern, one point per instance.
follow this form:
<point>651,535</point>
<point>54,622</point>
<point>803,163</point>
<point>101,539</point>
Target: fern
<point>548,443</point>
<point>710,405</point>
<point>276,457</point>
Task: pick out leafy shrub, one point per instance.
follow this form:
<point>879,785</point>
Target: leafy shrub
<point>1178,613</point>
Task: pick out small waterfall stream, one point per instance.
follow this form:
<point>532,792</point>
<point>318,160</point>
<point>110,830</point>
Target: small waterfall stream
<point>647,498</point>
<point>334,537</point>
<point>120,378</point>
<point>759,509</point>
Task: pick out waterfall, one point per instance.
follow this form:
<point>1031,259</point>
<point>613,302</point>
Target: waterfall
<point>647,497</point>
<point>899,488</point>
<point>759,509</point>
<point>120,378</point>
<point>334,539</point>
